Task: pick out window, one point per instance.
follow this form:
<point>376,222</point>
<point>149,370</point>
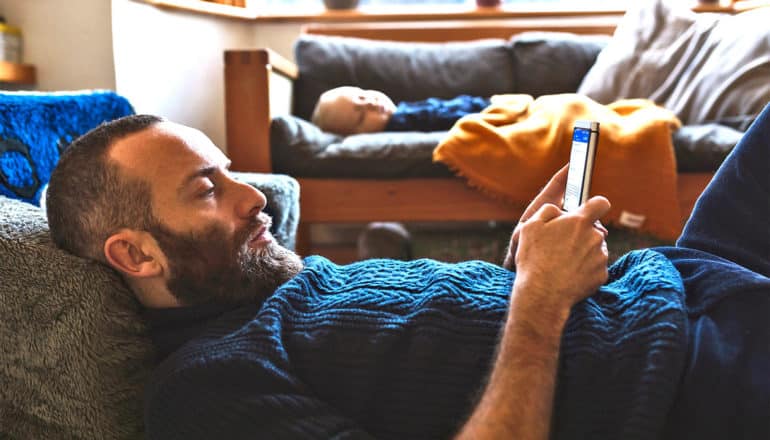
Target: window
<point>385,3</point>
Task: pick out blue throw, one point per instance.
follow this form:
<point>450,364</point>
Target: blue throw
<point>723,257</point>
<point>36,127</point>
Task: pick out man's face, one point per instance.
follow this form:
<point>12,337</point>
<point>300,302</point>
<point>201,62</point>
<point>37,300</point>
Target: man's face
<point>211,229</point>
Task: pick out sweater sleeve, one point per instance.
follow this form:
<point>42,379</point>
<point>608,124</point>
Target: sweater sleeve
<point>203,403</point>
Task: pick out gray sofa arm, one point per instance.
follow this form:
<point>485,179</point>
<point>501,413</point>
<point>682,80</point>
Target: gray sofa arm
<point>282,193</point>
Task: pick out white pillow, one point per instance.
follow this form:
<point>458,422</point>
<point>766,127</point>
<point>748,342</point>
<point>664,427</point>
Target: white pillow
<point>703,67</point>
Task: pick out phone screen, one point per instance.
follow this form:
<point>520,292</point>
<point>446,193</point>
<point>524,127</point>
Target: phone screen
<point>578,162</point>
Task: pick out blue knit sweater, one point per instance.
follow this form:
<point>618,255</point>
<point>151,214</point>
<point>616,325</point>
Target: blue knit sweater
<point>400,350</point>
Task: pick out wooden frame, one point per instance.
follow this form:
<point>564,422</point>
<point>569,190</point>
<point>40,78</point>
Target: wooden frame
<point>250,104</point>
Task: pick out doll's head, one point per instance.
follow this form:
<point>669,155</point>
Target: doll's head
<point>350,110</point>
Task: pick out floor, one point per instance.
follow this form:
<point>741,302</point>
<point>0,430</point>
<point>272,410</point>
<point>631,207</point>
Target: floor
<point>454,241</point>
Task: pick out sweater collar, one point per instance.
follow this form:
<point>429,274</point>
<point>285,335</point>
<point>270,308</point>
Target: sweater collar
<point>171,327</point>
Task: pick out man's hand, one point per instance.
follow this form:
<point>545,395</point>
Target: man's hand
<point>561,257</point>
<point>552,193</point>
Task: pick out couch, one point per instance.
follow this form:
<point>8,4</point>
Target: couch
<point>75,348</point>
<point>390,176</point>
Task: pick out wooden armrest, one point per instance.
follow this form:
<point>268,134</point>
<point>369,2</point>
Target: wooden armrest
<point>250,103</point>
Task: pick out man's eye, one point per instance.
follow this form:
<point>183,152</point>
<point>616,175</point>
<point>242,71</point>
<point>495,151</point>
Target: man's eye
<point>208,192</point>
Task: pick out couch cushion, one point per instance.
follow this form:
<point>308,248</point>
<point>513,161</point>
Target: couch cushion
<point>547,63</point>
<point>282,194</point>
<point>301,149</point>
<point>702,148</point>
<point>75,350</point>
<point>704,67</point>
<point>403,71</point>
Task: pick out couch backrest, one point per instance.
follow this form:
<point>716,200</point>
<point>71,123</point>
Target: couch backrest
<point>532,63</point>
<point>403,71</point>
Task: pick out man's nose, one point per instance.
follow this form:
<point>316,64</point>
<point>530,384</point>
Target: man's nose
<point>251,201</point>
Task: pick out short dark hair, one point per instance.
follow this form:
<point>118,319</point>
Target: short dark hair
<point>89,197</point>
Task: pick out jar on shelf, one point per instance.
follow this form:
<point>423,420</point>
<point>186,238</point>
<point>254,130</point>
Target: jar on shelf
<point>10,42</point>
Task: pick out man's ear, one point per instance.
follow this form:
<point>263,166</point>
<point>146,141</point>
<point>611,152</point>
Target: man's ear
<point>134,253</point>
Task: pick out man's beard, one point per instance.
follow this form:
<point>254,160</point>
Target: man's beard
<point>207,267</point>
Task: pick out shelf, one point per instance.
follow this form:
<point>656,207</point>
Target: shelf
<point>466,12</point>
<point>17,73</point>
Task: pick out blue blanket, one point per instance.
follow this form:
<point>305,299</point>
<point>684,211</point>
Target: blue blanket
<point>723,257</point>
<point>36,127</point>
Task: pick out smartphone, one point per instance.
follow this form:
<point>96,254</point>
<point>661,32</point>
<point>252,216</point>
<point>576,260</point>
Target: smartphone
<point>585,139</point>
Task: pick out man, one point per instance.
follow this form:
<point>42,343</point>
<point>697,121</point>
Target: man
<point>154,200</point>
<point>330,353</point>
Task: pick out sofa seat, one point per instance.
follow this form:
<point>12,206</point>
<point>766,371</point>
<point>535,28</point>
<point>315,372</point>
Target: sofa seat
<point>301,149</point>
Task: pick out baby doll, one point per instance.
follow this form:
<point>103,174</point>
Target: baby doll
<point>350,110</point>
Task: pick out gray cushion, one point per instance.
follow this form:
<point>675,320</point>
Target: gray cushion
<point>301,149</point>
<point>702,148</point>
<point>547,63</point>
<point>75,351</point>
<point>282,193</point>
<point>703,67</point>
<point>403,71</point>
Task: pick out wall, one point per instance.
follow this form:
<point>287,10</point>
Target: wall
<point>70,42</point>
<point>166,62</point>
<point>170,62</point>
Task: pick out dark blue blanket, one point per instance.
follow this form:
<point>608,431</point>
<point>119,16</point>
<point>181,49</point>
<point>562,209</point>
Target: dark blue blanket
<point>723,257</point>
<point>36,127</point>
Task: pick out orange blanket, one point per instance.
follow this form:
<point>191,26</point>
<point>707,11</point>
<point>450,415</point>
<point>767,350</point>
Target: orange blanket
<point>515,145</point>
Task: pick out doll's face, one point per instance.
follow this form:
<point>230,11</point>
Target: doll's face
<point>350,110</point>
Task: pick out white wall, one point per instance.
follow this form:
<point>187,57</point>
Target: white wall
<point>166,62</point>
<point>170,62</point>
<point>69,41</point>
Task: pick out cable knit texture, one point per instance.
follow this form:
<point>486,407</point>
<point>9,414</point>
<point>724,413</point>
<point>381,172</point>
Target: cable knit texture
<point>400,350</point>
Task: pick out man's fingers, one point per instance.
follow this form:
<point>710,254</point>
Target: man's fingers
<point>595,208</point>
<point>547,212</point>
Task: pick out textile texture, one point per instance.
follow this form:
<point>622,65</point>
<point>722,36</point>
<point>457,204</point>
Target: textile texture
<point>723,256</point>
<point>513,147</point>
<point>387,349</point>
<point>703,67</point>
<point>36,127</point>
<point>75,351</point>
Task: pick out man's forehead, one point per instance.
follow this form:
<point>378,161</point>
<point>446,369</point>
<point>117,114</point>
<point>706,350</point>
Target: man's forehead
<point>165,149</point>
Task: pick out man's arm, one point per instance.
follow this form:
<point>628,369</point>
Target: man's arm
<point>561,259</point>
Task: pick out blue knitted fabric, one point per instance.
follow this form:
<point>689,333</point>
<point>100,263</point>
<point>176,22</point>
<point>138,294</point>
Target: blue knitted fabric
<point>434,114</point>
<point>36,127</point>
<point>400,350</point>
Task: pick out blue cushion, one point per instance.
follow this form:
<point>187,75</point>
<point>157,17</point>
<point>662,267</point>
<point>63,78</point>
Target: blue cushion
<point>36,127</point>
